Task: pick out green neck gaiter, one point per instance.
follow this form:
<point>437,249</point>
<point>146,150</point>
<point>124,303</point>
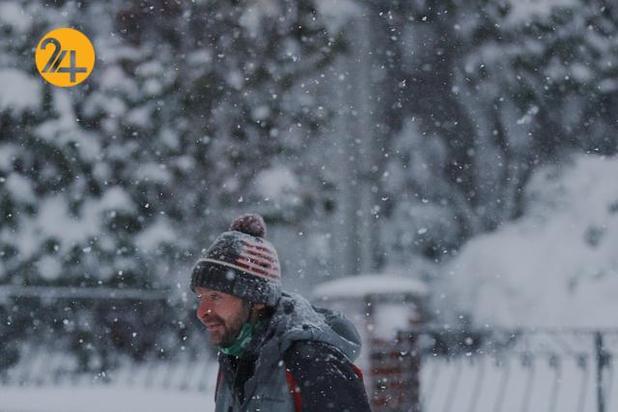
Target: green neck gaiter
<point>241,342</point>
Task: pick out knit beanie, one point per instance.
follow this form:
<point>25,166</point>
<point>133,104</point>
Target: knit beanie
<point>242,263</point>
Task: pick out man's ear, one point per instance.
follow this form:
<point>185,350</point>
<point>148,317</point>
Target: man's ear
<point>256,309</point>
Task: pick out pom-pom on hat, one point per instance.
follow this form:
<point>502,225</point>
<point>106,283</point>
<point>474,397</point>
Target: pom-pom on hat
<point>242,263</point>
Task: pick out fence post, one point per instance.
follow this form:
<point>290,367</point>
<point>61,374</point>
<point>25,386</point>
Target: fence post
<point>602,363</point>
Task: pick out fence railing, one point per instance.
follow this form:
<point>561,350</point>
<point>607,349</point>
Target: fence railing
<point>40,367</point>
<point>421,370</point>
<point>75,353</point>
<point>436,370</point>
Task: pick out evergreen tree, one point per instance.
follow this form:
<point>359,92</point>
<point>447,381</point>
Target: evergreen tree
<point>113,183</point>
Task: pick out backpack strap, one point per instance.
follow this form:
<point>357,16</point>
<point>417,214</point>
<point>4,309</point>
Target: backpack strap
<point>294,390</point>
<point>358,372</point>
<point>219,378</point>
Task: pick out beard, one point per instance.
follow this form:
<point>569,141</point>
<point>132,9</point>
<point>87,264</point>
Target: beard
<point>224,331</point>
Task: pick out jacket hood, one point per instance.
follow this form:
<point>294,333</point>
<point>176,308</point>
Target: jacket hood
<point>295,319</point>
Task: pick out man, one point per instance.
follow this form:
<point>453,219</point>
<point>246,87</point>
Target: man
<point>277,353</point>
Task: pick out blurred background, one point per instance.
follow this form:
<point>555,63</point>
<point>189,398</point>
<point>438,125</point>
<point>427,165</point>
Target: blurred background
<point>466,145</point>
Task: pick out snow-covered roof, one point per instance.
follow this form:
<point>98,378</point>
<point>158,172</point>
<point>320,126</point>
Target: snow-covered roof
<point>370,284</point>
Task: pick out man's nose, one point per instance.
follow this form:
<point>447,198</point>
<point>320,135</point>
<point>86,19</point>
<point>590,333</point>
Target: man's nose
<point>203,309</point>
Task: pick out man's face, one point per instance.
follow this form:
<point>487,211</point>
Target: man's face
<point>222,314</point>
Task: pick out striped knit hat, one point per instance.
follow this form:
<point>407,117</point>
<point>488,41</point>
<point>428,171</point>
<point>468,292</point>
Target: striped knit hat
<point>241,263</point>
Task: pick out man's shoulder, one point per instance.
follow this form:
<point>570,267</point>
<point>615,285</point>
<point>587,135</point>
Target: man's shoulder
<point>315,350</point>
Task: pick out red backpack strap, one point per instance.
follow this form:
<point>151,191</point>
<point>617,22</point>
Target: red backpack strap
<point>294,390</point>
<point>357,371</point>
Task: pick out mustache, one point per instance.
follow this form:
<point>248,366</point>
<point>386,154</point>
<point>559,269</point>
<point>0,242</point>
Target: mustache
<point>212,319</point>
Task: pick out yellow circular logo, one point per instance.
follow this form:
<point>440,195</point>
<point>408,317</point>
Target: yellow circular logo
<point>64,57</point>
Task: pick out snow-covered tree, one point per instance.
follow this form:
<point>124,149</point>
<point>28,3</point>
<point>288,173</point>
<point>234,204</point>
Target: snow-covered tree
<point>114,183</point>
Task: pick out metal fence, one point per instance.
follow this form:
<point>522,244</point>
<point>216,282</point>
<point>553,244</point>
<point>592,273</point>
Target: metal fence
<point>190,372</point>
<point>50,356</point>
<point>421,370</point>
<point>498,370</point>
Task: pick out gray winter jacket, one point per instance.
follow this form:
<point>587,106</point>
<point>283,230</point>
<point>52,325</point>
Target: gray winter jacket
<point>300,360</point>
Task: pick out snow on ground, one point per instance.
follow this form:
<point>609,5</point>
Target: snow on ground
<point>41,382</point>
<point>556,266</point>
<point>102,399</point>
<point>478,384</point>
